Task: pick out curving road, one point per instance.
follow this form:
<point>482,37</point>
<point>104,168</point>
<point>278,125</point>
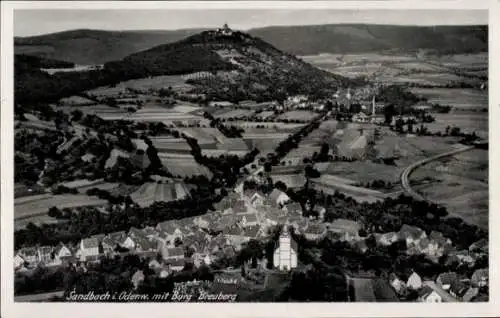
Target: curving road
<point>407,172</point>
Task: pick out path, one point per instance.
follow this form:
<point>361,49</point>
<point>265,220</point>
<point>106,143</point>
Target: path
<point>405,183</point>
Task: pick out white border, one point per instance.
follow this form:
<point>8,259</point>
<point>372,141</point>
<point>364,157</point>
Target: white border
<point>10,309</point>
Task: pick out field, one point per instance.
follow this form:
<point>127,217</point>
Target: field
<point>298,115</point>
<point>102,111</point>
<point>152,192</point>
<point>233,113</point>
<point>169,144</point>
<point>83,185</point>
<point>361,171</point>
<point>460,183</point>
<point>417,69</point>
<point>183,165</point>
<point>144,84</point>
<point>39,205</point>
<point>162,114</point>
<point>455,97</point>
<point>251,126</point>
<point>468,123</point>
<point>204,136</point>
<point>291,180</point>
<point>296,155</point>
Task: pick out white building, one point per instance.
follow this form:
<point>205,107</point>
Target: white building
<point>285,255</point>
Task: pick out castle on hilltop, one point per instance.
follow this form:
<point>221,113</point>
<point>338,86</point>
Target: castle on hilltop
<point>225,30</point>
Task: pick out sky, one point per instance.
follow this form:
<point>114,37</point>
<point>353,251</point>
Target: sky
<point>37,22</point>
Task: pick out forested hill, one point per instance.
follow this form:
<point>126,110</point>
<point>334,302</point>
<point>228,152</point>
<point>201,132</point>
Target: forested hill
<point>314,39</point>
<point>91,47</point>
<point>97,46</point>
<point>252,68</point>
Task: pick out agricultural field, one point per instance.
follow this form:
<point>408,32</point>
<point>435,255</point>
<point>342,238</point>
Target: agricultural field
<point>183,165</point>
<point>298,115</point>
<point>297,155</point>
<point>166,115</point>
<point>35,123</point>
<point>427,70</point>
<point>83,185</point>
<point>233,113</point>
<point>76,101</point>
<point>39,205</point>
<point>266,141</point>
<point>467,122</point>
<point>291,180</point>
<point>360,172</point>
<point>204,136</point>
<point>152,192</point>
<point>460,183</point>
<point>456,97</point>
<point>176,82</point>
<point>264,114</point>
<point>103,111</point>
<point>170,144</point>
<point>255,126</point>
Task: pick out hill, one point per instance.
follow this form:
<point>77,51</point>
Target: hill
<point>97,47</point>
<point>242,67</point>
<point>91,47</point>
<point>356,38</point>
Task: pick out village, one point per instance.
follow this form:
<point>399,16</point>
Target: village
<point>252,216</point>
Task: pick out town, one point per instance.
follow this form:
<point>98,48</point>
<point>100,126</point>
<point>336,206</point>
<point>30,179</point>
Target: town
<point>228,179</point>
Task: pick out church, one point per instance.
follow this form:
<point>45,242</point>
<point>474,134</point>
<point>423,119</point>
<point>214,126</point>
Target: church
<point>285,254</point>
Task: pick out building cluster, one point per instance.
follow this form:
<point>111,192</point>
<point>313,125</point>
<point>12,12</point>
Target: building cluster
<point>238,219</point>
<point>447,287</point>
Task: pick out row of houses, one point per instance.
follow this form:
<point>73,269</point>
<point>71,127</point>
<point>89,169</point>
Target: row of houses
<point>447,287</point>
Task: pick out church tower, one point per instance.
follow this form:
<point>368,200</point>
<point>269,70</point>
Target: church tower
<point>285,255</point>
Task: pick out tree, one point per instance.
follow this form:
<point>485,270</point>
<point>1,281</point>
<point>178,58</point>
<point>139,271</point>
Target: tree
<point>389,113</point>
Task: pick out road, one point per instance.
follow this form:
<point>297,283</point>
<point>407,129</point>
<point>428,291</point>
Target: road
<point>405,182</point>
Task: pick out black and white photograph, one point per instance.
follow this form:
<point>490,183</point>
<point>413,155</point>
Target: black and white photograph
<point>269,155</point>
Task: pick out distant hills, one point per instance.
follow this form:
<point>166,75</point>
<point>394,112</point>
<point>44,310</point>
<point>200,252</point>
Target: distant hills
<point>98,47</point>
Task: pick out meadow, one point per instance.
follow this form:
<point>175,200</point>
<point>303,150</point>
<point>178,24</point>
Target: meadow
<point>151,192</point>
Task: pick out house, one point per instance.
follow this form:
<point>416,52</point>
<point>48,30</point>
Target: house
<point>154,264</point>
<point>18,261</point>
<point>360,118</point>
<point>386,239</point>
<point>137,278</point>
<point>249,220</point>
<point>135,232</point>
<point>463,256</point>
<point>396,283</point>
<point>235,236</point>
<point>293,208</point>
<point>176,265</point>
<point>319,211</point>
<point>143,245</point>
<point>445,280</point>
<point>470,294</point>
<point>458,289</point>
<point>480,278</point>
<point>256,198</point>
<point>347,229</point>
<point>30,255</point>
<point>428,295</point>
<point>480,246</point>
<point>439,238</point>
<point>440,294</point>
<point>150,232</point>
<point>252,232</point>
<point>61,253</point>
<point>278,197</point>
<point>414,281</point>
<point>411,234</point>
<point>172,253</point>
<point>286,251</point>
<point>45,254</point>
<point>168,233</point>
<point>315,231</point>
<point>89,249</point>
<point>239,207</point>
